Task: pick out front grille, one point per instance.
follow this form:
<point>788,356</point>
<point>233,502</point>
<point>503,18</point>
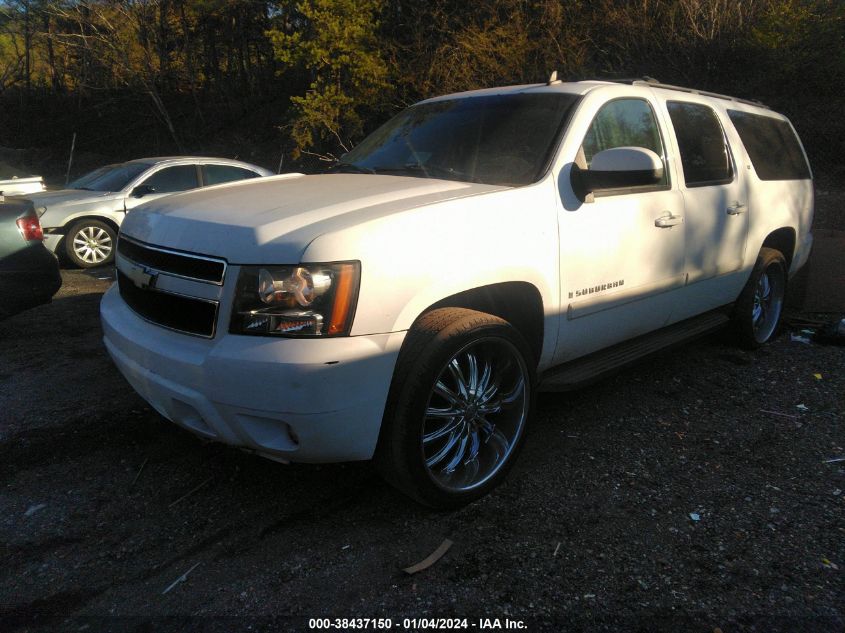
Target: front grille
<point>173,262</point>
<point>177,312</point>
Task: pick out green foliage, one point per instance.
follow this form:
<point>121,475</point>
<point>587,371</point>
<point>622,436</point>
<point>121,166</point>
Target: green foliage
<point>337,45</point>
<point>803,37</point>
<point>10,60</point>
<point>324,72</point>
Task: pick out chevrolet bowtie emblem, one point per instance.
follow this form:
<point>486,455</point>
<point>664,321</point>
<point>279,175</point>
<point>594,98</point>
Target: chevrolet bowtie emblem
<point>141,276</point>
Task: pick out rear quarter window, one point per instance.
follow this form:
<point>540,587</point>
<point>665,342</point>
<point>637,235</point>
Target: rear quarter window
<point>772,146</point>
<point>219,174</point>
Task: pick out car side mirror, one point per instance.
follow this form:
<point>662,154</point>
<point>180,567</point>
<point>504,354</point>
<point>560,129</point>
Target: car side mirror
<point>618,168</point>
<point>142,190</point>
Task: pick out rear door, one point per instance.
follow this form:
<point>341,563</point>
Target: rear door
<point>715,202</point>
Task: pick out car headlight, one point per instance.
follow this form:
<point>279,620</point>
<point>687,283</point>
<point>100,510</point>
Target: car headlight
<point>40,211</point>
<point>309,300</point>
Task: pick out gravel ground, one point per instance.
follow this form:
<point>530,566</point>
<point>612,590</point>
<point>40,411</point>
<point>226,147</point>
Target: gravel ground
<point>691,492</point>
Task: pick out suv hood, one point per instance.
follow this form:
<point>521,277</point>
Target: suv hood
<point>272,220</point>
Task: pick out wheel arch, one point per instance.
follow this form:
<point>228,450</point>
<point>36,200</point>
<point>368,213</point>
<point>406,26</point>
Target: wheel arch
<point>93,216</point>
<point>517,302</point>
<point>784,240</point>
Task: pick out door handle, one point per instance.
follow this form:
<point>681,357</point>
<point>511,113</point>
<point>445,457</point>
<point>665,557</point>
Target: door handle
<point>668,220</point>
<point>736,208</point>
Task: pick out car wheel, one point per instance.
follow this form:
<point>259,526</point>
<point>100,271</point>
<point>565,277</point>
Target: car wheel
<point>90,243</point>
<point>758,310</point>
<point>458,409</point>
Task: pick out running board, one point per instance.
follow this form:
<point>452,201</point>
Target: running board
<point>587,369</point>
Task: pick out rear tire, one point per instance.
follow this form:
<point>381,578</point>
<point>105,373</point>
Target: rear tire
<point>458,409</point>
<point>90,243</point>
<point>758,311</point>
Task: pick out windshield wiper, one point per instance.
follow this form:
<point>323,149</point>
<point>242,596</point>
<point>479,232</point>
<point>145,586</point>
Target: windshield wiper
<point>352,167</point>
<point>429,171</point>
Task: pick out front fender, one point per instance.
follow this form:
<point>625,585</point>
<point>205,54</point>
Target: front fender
<point>412,259</point>
<point>64,217</point>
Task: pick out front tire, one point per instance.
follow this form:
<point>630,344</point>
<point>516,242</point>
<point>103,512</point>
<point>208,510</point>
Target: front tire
<point>758,310</point>
<point>459,405</point>
<point>90,243</point>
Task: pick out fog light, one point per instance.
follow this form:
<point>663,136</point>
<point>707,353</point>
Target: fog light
<point>282,322</point>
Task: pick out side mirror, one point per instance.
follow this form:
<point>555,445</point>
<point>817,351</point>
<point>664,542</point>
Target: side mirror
<point>142,190</point>
<point>618,168</point>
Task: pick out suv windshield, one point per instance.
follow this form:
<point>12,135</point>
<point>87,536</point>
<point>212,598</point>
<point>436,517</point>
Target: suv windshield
<point>496,139</point>
<point>110,177</point>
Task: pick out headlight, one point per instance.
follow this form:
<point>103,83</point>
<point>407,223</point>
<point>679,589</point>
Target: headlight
<point>305,300</point>
<point>40,211</point>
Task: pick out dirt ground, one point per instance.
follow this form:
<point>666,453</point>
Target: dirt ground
<point>693,492</point>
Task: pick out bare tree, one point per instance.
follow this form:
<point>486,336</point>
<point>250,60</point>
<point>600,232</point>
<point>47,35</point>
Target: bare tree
<point>116,34</point>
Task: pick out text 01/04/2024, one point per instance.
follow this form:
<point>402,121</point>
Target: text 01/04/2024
<point>415,624</point>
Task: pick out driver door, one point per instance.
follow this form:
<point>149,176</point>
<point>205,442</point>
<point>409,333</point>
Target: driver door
<point>622,251</point>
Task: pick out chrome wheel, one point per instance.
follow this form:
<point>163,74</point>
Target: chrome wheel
<point>92,244</point>
<point>768,303</point>
<point>476,414</point>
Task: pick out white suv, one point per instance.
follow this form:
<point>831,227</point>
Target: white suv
<point>478,247</point>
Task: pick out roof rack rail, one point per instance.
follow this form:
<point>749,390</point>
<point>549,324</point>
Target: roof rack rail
<point>654,83</point>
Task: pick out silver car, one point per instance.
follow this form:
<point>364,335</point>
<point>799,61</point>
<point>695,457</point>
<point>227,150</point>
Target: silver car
<point>82,220</point>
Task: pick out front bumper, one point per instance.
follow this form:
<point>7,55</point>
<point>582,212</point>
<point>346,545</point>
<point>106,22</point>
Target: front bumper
<point>301,400</point>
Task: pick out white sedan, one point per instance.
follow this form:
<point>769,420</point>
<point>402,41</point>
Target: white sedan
<point>82,220</point>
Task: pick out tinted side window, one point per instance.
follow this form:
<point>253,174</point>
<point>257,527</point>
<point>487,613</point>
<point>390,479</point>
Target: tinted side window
<point>624,123</point>
<point>772,145</point>
<point>173,179</point>
<point>218,174</point>
<point>701,141</point>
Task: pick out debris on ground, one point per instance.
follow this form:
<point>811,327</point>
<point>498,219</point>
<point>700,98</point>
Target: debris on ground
<point>140,470</point>
<point>695,516</point>
<point>783,415</point>
<point>429,560</point>
<point>33,509</point>
<point>181,578</point>
<point>824,332</point>
<point>829,564</point>
<point>190,492</point>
